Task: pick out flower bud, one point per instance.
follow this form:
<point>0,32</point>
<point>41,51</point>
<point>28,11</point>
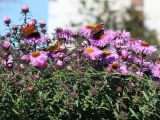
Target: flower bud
<point>7,20</point>
<point>15,27</point>
<point>21,67</point>
<point>37,77</point>
<point>42,23</point>
<point>25,9</point>
<point>59,63</point>
<point>32,22</point>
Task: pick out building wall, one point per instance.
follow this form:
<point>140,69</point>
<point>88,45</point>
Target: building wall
<point>152,14</point>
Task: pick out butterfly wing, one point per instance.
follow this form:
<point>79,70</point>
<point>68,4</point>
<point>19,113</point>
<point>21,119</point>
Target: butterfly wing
<point>54,48</point>
<point>28,30</point>
<point>99,28</point>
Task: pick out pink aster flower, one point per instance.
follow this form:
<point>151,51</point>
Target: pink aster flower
<point>92,53</point>
<point>144,48</point>
<point>36,38</point>
<point>86,31</point>
<point>38,59</point>
<point>103,40</point>
<point>25,58</point>
<point>156,70</point>
<point>6,44</point>
<point>66,34</point>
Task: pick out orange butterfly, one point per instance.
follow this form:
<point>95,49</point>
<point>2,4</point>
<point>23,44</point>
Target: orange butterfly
<point>54,48</point>
<point>28,30</point>
<point>98,30</point>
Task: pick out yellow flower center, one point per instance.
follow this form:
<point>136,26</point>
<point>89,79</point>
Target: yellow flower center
<point>35,53</point>
<point>144,43</point>
<point>89,50</point>
<point>106,52</point>
<point>102,37</point>
<point>115,65</point>
<point>90,26</point>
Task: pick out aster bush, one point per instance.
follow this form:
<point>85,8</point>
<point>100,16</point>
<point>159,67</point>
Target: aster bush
<point>75,75</point>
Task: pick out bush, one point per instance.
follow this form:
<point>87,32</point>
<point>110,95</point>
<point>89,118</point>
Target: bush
<point>89,74</point>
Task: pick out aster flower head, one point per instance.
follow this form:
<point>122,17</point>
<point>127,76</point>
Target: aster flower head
<point>121,38</point>
<point>6,44</point>
<point>93,53</point>
<point>103,40</point>
<point>66,34</point>
<point>36,38</point>
<point>122,35</point>
<point>109,57</point>
<point>156,70</point>
<point>143,48</point>
<point>86,31</point>
<point>123,69</point>
<point>38,59</point>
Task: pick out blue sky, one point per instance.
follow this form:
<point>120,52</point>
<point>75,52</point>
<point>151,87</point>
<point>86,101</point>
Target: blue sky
<point>12,8</point>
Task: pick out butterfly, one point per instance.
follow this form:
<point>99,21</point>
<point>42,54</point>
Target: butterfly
<point>28,30</point>
<point>54,48</point>
<point>98,30</point>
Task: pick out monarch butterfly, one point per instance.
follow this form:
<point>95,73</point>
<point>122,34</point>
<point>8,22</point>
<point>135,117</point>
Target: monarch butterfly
<point>28,30</point>
<point>54,48</point>
<point>98,30</point>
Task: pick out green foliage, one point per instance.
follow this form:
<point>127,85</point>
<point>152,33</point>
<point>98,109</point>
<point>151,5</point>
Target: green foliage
<point>83,94</point>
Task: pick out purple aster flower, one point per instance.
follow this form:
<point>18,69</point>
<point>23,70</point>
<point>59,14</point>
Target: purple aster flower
<point>103,40</point>
<point>123,69</point>
<point>125,54</point>
<point>121,38</point>
<point>139,73</point>
<point>56,56</point>
<point>109,57</point>
<point>144,48</point>
<point>86,31</point>
<point>66,34</point>
<point>36,38</point>
<point>156,70</point>
<point>92,53</point>
<point>122,35</point>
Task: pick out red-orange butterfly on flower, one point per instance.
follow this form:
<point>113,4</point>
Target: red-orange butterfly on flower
<point>28,30</point>
<point>54,48</point>
<point>98,30</point>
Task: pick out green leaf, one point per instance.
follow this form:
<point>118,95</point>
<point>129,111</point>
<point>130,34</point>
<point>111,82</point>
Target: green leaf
<point>145,95</point>
<point>15,111</point>
<point>133,113</point>
<point>116,115</point>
